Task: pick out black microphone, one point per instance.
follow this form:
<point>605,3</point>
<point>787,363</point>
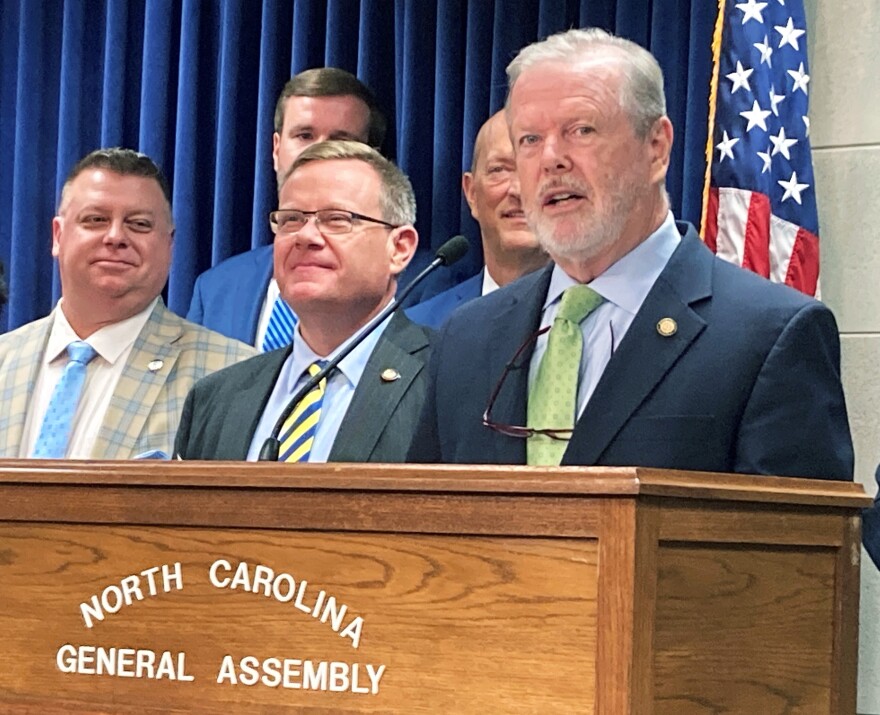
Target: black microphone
<point>446,255</point>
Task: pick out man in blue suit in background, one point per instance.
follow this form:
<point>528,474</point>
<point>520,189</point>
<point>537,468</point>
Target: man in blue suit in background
<point>238,297</point>
<point>637,346</point>
<point>510,249</point>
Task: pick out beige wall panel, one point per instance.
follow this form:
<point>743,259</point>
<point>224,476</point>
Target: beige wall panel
<point>861,381</point>
<point>848,191</point>
<point>869,639</point>
<point>860,357</point>
<point>845,86</point>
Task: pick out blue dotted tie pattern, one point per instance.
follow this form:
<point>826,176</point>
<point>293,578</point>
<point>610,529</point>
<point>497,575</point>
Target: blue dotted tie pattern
<point>58,422</point>
<point>279,332</point>
<point>553,399</point>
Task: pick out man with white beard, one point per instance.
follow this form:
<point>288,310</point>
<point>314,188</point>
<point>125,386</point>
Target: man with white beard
<point>636,346</point>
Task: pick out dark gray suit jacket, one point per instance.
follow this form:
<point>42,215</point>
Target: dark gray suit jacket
<point>223,410</point>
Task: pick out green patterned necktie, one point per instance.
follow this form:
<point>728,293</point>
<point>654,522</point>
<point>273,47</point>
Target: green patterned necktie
<point>553,399</point>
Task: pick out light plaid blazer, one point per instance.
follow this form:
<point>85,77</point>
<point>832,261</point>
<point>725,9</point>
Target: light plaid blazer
<point>145,408</point>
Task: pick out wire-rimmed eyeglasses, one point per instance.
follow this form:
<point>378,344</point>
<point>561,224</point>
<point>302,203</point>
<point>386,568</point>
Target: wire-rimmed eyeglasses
<point>518,430</point>
<point>286,222</point>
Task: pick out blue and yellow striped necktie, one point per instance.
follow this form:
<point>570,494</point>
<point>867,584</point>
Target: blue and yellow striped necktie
<point>298,431</point>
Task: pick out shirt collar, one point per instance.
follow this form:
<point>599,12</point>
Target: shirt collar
<point>627,282</point>
<point>352,366</point>
<point>110,342</point>
<point>489,283</point>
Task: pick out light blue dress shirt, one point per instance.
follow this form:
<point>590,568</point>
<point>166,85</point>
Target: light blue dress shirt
<point>337,397</point>
<point>624,286</point>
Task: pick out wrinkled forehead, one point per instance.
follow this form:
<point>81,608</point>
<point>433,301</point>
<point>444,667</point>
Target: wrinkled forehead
<point>599,74</point>
<point>333,181</point>
<point>343,113</point>
<point>494,141</point>
<point>110,190</point>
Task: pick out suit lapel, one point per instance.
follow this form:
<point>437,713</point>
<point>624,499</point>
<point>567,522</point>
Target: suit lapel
<point>240,424</point>
<point>376,399</point>
<point>263,266</point>
<point>18,376</point>
<point>513,325</point>
<point>645,356</point>
<point>149,364</point>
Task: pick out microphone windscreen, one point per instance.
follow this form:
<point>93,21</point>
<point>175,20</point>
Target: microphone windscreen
<point>453,250</point>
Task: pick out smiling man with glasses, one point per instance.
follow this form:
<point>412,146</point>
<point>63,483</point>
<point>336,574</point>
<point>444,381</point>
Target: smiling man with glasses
<point>343,234</point>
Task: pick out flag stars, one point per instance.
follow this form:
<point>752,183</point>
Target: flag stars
<point>725,146</point>
<point>801,79</point>
<point>764,156</point>
<point>806,124</point>
<point>775,99</point>
<point>792,188</point>
<point>781,144</point>
<point>751,10</point>
<point>756,117</point>
<point>789,34</point>
<point>766,51</point>
<point>740,78</point>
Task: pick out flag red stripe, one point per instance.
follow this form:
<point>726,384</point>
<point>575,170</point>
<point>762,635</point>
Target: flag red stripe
<point>756,248</point>
<point>710,230</point>
<point>803,268</point>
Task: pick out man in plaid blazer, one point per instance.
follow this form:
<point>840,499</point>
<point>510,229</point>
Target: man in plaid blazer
<point>112,238</point>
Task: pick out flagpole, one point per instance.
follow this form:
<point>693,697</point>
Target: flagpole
<point>713,96</point>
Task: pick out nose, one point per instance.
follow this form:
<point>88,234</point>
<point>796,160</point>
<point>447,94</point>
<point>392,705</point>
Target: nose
<point>309,236</point>
<point>116,234</point>
<point>513,186</point>
<point>554,158</point>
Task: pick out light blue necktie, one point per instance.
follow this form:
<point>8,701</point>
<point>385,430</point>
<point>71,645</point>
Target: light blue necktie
<point>57,424</point>
<point>281,324</point>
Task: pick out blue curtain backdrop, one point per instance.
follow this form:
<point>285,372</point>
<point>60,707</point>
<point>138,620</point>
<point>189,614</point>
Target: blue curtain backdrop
<point>193,84</point>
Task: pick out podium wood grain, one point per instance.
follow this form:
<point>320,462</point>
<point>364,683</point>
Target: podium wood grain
<point>483,590</point>
<point>426,601</point>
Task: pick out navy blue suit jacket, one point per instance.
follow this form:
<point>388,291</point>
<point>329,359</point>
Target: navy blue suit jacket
<point>871,527</point>
<point>227,298</point>
<point>749,382</point>
<point>434,311</point>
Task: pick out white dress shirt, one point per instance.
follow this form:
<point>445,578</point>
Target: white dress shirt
<point>113,344</point>
<point>489,283</point>
<point>624,286</point>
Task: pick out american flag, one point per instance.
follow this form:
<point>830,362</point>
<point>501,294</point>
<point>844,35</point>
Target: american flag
<point>760,202</point>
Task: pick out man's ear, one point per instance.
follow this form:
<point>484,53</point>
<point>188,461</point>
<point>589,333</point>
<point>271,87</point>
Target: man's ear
<point>404,241</point>
<point>467,186</point>
<point>276,146</point>
<point>660,146</point>
<point>57,223</point>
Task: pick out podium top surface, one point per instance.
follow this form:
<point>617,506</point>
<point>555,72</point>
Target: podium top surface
<point>437,479</point>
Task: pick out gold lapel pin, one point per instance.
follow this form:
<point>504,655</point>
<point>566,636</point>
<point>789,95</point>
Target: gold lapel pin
<point>667,327</point>
<point>389,374</point>
<point>155,365</point>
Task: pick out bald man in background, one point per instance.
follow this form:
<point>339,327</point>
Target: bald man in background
<point>510,249</point>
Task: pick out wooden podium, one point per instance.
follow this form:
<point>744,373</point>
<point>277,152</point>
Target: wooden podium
<point>228,588</point>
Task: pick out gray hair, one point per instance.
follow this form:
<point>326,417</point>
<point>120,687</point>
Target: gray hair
<point>641,92</point>
<point>397,199</point>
